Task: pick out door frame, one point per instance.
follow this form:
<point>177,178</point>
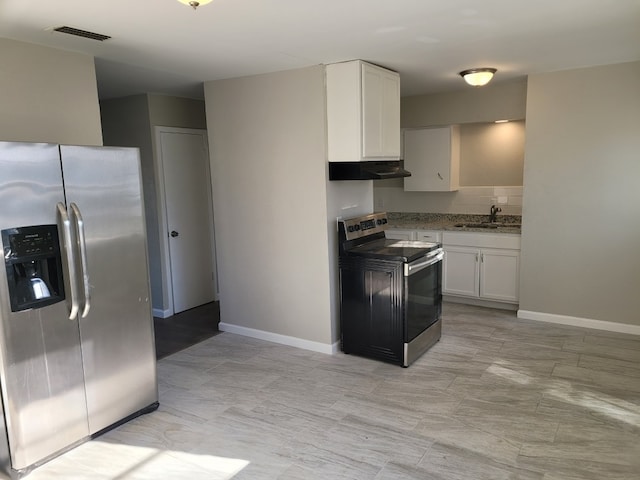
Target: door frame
<point>167,281</point>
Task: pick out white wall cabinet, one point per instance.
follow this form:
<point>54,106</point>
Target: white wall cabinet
<point>432,155</point>
<point>482,266</point>
<point>363,112</point>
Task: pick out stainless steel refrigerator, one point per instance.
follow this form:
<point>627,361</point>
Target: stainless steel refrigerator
<point>77,352</point>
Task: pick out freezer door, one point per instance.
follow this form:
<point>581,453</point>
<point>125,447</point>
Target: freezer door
<point>103,188</point>
<point>41,376</point>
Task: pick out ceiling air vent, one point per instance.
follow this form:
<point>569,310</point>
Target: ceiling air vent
<point>82,33</point>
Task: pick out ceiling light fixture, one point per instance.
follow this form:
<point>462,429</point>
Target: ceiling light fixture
<point>194,4</point>
<point>477,77</point>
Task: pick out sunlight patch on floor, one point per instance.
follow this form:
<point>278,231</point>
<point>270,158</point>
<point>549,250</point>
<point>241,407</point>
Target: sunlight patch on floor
<point>509,374</point>
<point>612,407</point>
<point>99,460</point>
<point>565,391</point>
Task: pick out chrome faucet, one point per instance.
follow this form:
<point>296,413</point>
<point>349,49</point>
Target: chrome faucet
<point>494,213</point>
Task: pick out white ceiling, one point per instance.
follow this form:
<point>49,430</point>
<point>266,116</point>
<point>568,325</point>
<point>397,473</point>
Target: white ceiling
<point>163,46</point>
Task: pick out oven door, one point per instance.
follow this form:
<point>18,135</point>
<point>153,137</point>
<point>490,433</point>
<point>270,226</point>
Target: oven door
<point>423,293</point>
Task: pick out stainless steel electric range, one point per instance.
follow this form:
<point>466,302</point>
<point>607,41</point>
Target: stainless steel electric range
<point>390,292</point>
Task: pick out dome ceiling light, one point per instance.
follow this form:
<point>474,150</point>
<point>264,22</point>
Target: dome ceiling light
<point>194,4</point>
<point>477,77</point>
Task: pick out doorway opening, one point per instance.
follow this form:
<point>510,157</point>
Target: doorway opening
<point>185,329</point>
<point>186,219</point>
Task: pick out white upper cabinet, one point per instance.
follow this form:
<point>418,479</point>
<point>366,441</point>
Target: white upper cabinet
<point>381,112</point>
<point>432,155</point>
<point>363,112</point>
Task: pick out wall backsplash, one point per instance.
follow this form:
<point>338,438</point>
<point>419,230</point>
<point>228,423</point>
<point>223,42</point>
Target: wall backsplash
<point>474,200</point>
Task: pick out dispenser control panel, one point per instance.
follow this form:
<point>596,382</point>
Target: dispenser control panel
<point>33,265</point>
<point>31,243</point>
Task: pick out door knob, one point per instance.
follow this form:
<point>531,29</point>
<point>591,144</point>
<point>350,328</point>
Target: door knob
<point>174,233</point>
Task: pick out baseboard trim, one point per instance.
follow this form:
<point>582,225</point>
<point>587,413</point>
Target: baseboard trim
<point>328,349</point>
<point>580,322</point>
<point>161,313</point>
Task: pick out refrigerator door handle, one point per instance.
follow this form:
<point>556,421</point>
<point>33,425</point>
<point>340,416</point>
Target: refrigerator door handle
<point>79,225</point>
<point>71,280</point>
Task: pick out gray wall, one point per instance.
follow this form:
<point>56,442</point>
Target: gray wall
<point>492,153</point>
<point>267,141</point>
<point>581,217</point>
<point>129,122</point>
<point>496,101</point>
<point>47,95</point>
<point>168,111</point>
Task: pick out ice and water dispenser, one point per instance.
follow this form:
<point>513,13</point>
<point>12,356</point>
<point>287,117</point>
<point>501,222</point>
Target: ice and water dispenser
<point>33,263</point>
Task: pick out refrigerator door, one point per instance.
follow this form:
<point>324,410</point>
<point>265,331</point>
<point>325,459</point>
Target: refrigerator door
<point>41,376</point>
<point>104,198</point>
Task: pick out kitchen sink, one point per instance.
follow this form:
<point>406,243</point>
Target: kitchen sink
<point>485,225</point>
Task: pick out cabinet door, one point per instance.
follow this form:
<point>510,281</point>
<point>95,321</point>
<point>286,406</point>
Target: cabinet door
<point>432,156</point>
<point>499,274</point>
<point>363,112</point>
<point>380,113</point>
<point>461,266</point>
<point>398,234</point>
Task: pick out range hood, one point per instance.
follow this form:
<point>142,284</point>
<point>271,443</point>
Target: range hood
<point>377,170</point>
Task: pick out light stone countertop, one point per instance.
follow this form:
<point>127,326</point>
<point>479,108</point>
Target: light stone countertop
<point>446,221</point>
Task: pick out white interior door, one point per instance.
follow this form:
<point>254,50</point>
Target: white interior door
<point>189,218</point>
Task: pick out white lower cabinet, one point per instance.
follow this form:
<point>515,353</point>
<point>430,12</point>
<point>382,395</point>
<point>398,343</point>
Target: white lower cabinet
<point>484,266</point>
<point>460,273</point>
<point>480,271</point>
<point>499,275</point>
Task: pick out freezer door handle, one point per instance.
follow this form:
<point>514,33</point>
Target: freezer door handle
<point>82,246</point>
<point>71,280</point>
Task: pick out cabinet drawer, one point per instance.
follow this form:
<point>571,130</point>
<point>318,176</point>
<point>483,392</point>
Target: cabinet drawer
<point>482,240</point>
<point>429,236</point>
<point>400,234</point>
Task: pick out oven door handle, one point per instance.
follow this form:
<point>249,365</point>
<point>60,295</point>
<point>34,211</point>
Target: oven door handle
<point>415,267</point>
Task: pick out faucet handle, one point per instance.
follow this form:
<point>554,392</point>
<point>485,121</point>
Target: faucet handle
<point>493,213</point>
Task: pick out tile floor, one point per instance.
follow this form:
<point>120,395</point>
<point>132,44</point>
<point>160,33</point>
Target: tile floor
<point>496,398</point>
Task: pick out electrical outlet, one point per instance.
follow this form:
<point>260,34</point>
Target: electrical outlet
<point>502,200</point>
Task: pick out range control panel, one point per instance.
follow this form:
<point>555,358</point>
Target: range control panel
<point>359,227</point>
